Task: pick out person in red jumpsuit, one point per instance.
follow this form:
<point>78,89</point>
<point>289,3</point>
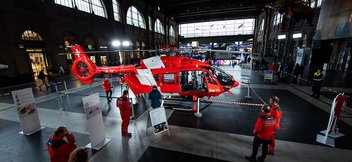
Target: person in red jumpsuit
<point>263,130</point>
<point>107,88</point>
<point>60,145</point>
<point>277,113</point>
<point>124,105</point>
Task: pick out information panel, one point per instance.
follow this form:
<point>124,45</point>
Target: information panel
<point>159,120</point>
<point>95,123</point>
<point>27,110</point>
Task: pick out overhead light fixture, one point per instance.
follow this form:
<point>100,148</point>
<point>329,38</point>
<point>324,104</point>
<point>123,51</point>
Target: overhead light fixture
<point>116,43</point>
<point>125,43</point>
<point>297,35</point>
<point>281,36</point>
<point>158,8</point>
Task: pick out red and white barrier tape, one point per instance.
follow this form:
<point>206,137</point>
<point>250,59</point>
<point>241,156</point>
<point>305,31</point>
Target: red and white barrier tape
<point>234,103</point>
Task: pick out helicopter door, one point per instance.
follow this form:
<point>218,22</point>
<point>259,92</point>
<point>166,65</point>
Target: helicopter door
<point>170,83</point>
<point>192,81</point>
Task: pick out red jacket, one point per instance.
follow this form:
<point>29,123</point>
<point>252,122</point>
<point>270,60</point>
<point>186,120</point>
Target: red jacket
<point>277,113</point>
<point>106,85</point>
<point>272,67</point>
<point>60,150</point>
<point>123,102</point>
<point>265,126</point>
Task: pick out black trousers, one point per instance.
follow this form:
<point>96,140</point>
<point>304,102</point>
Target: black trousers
<point>256,143</point>
<point>316,88</point>
<point>108,95</point>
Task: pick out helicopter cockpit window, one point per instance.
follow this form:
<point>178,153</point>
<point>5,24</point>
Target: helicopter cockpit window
<point>210,79</point>
<point>224,78</point>
<point>169,78</point>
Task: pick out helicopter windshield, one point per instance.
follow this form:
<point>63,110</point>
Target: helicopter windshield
<point>224,78</point>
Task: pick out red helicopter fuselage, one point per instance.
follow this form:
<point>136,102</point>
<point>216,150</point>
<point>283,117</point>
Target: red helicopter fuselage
<point>174,75</point>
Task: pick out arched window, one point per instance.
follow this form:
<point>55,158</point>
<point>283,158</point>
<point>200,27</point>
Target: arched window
<point>31,35</point>
<point>135,18</point>
<point>277,19</point>
<point>117,10</point>
<point>158,27</point>
<point>90,6</point>
<point>172,31</point>
<point>261,27</point>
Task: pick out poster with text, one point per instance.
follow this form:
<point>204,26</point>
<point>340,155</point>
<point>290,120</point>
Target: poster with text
<point>94,118</point>
<point>26,109</point>
<point>158,120</point>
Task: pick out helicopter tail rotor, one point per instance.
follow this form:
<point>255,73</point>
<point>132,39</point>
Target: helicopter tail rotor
<point>83,68</point>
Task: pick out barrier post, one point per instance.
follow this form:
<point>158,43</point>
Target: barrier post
<point>248,97</point>
<point>59,99</point>
<point>198,114</point>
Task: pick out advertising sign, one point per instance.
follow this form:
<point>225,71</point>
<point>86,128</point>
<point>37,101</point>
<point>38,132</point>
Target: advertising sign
<point>158,120</point>
<point>27,110</point>
<point>268,75</point>
<point>95,123</point>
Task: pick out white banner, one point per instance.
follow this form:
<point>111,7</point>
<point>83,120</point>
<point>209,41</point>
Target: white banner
<point>95,123</point>
<point>158,120</point>
<point>26,109</point>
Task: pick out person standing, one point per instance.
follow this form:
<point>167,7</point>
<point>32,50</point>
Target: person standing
<point>155,97</point>
<point>61,145</point>
<point>41,76</point>
<point>124,105</point>
<point>316,84</point>
<point>296,72</point>
<point>263,130</point>
<point>272,67</point>
<point>277,113</point>
<point>107,88</point>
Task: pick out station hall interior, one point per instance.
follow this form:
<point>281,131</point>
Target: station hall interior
<point>176,80</point>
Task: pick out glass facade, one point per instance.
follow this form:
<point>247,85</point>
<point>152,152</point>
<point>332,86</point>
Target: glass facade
<point>217,28</point>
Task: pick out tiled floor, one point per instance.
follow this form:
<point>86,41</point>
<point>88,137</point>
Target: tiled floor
<point>222,134</point>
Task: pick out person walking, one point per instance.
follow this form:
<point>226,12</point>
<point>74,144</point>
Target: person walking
<point>107,88</point>
<point>296,72</point>
<point>52,82</point>
<point>41,76</point>
<point>61,144</point>
<point>124,105</point>
<point>263,130</point>
<point>277,113</point>
<point>316,84</point>
<point>155,97</point>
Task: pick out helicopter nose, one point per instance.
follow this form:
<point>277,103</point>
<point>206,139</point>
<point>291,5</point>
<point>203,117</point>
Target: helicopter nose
<point>235,84</point>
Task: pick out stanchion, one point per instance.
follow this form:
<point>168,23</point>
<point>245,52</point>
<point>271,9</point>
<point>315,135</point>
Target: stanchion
<point>59,99</point>
<point>198,114</point>
<point>248,97</point>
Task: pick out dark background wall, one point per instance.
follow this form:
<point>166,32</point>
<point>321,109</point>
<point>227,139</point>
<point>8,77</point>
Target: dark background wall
<point>56,24</point>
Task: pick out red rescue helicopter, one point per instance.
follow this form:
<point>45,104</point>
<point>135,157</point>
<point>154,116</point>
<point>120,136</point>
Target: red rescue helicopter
<point>174,75</point>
